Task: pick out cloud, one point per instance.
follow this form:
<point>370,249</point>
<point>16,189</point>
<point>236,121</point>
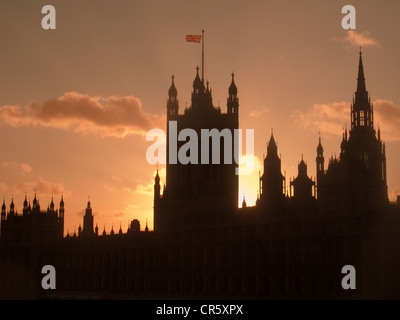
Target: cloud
<point>9,164</point>
<point>358,39</point>
<point>362,39</point>
<point>331,118</point>
<point>105,116</point>
<point>23,167</point>
<point>40,187</point>
<point>119,215</point>
<point>26,168</point>
<point>116,184</point>
<point>260,112</point>
<point>387,116</point>
<point>148,189</point>
<point>145,189</point>
<point>393,195</point>
<point>324,118</point>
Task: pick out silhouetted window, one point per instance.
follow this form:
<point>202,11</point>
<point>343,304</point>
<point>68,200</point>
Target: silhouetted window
<point>362,118</point>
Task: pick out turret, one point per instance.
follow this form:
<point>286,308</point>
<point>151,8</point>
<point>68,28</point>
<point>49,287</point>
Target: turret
<point>172,103</point>
<point>272,180</point>
<point>3,211</point>
<point>88,221</point>
<point>244,204</point>
<point>320,161</point>
<point>52,205</point>
<point>233,100</point>
<point>61,215</point>
<point>135,225</point>
<point>302,184</point>
<point>12,212</point>
<point>200,99</point>
<point>25,208</point>
<point>157,189</point>
<point>35,205</point>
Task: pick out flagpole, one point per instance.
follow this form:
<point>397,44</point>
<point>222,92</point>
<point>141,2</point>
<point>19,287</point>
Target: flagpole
<point>202,56</point>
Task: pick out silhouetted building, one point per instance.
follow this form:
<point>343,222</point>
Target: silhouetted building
<point>272,182</point>
<point>88,222</point>
<point>291,244</point>
<point>33,226</point>
<point>202,186</point>
<point>28,241</point>
<point>357,180</point>
<point>302,185</point>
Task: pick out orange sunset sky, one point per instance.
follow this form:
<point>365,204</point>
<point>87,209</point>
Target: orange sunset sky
<point>76,102</point>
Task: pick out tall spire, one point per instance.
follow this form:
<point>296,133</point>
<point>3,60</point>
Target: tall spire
<point>157,179</point>
<point>361,79</point>
<point>361,109</point>
<point>320,160</point>
<point>157,189</point>
<point>272,147</point>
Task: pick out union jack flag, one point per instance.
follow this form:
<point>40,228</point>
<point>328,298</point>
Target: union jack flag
<point>193,38</point>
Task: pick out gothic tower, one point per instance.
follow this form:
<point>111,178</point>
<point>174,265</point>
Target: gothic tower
<point>302,184</point>
<point>172,103</point>
<point>358,179</point>
<point>198,188</point>
<point>88,221</point>
<point>12,206</point>
<point>233,100</point>
<point>362,117</point>
<point>320,161</point>
<point>61,211</point>
<point>364,150</point>
<point>272,181</point>
<point>157,196</point>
